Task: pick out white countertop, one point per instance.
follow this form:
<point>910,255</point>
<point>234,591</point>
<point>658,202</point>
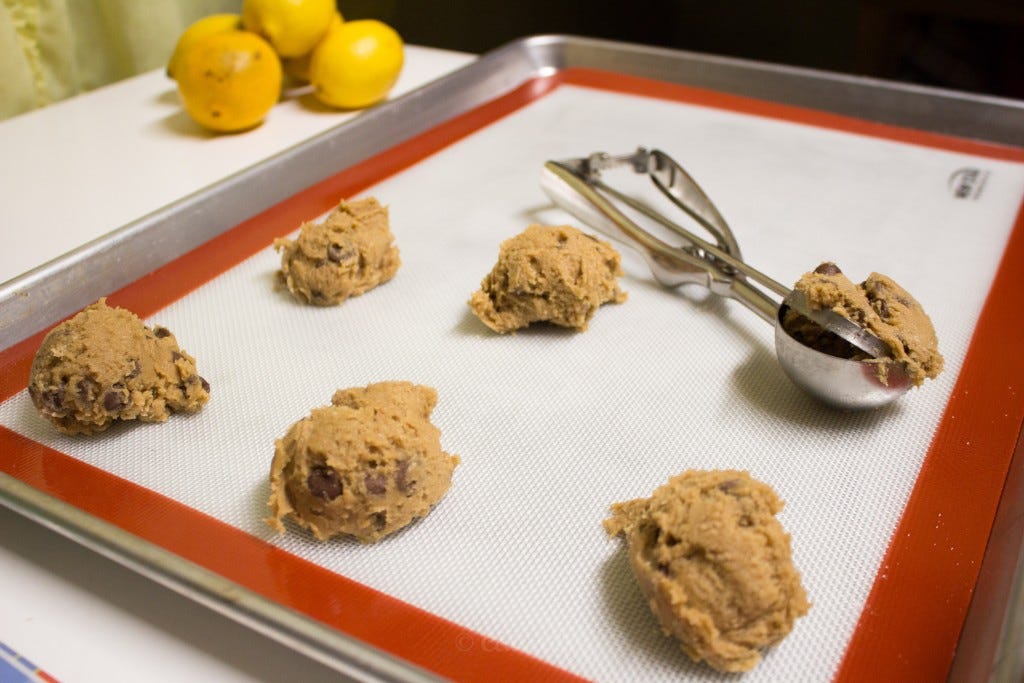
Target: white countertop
<point>78,169</point>
<point>71,173</point>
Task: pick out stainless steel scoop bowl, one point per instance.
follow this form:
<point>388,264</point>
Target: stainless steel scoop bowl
<point>576,186</point>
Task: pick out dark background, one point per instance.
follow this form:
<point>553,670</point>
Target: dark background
<point>969,45</point>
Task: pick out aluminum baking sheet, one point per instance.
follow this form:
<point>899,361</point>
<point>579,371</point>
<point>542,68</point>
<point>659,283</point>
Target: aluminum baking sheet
<point>511,575</point>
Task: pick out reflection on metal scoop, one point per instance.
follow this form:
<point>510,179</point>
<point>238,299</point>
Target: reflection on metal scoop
<point>576,186</point>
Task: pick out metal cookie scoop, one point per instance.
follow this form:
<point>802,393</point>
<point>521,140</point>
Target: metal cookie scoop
<point>576,186</point>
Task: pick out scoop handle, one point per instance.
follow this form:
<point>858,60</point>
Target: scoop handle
<point>671,266</point>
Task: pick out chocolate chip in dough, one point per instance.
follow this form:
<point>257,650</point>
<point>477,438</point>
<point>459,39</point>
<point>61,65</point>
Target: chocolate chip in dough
<point>86,390</point>
<point>53,400</point>
<point>338,254</point>
<point>113,401</point>
<point>882,308</point>
<point>323,482</point>
<point>728,485</point>
<point>402,477</point>
<point>376,483</point>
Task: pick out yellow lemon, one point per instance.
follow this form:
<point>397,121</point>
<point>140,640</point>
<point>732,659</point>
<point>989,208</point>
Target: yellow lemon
<point>356,64</point>
<point>293,27</point>
<point>297,68</point>
<point>229,81</point>
<point>215,23</point>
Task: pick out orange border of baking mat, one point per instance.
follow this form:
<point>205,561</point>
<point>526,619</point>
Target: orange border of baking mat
<point>912,618</point>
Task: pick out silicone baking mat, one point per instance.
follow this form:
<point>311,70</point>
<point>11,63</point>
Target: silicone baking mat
<point>511,576</point>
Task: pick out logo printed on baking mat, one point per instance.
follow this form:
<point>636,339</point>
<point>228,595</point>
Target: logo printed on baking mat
<point>967,183</point>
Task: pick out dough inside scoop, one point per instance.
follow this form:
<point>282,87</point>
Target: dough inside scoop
<point>879,305</point>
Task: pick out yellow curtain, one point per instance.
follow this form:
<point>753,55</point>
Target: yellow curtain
<point>52,49</point>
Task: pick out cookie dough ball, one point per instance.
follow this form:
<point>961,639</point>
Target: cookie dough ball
<point>347,254</point>
<point>365,466</point>
<point>714,565</point>
<point>552,274</point>
<point>878,304</point>
<point>104,365</point>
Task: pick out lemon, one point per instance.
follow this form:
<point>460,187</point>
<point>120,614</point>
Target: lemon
<point>356,64</point>
<point>229,81</point>
<point>297,68</point>
<point>293,27</point>
<point>215,23</point>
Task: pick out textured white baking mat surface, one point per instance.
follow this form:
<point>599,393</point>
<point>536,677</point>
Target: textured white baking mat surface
<point>554,426</point>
